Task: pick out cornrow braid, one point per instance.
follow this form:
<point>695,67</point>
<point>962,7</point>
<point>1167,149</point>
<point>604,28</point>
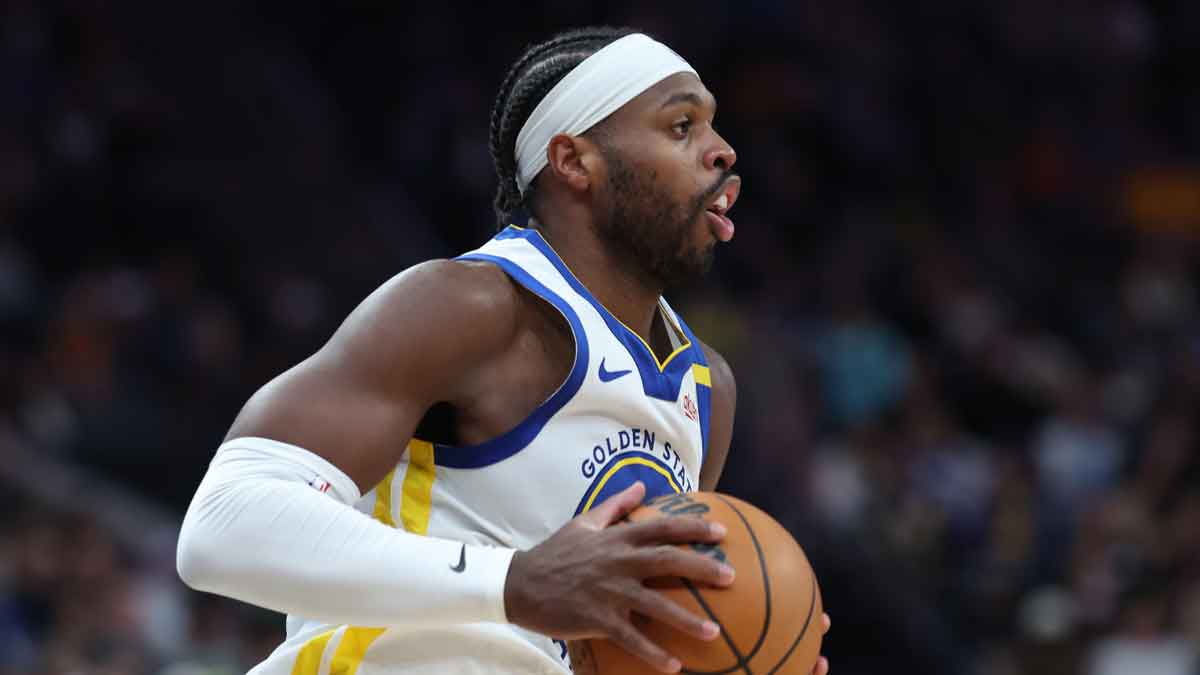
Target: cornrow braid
<point>528,81</point>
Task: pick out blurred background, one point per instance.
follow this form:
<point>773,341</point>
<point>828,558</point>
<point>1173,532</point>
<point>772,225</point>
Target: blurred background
<point>961,303</point>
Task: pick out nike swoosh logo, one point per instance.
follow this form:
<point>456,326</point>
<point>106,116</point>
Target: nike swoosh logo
<point>610,375</point>
<point>462,560</point>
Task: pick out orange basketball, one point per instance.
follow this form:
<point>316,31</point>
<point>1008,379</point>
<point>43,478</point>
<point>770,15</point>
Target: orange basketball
<point>770,616</point>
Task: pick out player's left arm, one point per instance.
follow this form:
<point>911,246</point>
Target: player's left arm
<point>720,421</point>
<point>720,434</point>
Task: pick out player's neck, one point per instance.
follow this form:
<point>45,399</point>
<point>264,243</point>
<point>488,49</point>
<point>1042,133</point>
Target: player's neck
<point>624,292</point>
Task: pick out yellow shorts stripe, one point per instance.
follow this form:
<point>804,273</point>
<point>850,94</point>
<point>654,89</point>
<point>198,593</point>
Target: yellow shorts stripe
<point>702,374</point>
<point>416,495</point>
<point>383,500</point>
<point>352,649</point>
<point>623,463</point>
<point>308,661</point>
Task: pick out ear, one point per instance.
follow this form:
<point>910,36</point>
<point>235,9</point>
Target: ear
<point>574,160</point>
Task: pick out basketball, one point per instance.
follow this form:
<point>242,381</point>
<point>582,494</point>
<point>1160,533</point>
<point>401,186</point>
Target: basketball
<point>770,617</point>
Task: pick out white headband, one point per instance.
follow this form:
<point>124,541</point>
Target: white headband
<point>593,90</point>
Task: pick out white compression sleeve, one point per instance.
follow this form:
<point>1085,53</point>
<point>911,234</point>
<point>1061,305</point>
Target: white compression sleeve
<point>264,529</point>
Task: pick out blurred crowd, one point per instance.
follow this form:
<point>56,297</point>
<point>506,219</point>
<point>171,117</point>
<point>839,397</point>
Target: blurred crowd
<point>961,304</point>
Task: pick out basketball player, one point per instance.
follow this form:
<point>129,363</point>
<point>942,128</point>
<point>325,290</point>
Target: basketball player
<point>575,393</point>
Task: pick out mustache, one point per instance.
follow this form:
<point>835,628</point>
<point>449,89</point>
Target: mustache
<point>702,200</point>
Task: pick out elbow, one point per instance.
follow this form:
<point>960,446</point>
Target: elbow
<point>190,562</point>
<point>196,557</point>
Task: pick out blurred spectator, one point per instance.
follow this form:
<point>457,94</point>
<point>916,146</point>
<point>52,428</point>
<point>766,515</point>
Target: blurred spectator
<point>1143,642</point>
<point>1078,455</point>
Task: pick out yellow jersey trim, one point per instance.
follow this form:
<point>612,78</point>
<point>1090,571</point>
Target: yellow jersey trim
<point>383,500</point>
<point>352,649</point>
<point>623,463</point>
<point>702,374</point>
<point>416,495</point>
<point>308,661</point>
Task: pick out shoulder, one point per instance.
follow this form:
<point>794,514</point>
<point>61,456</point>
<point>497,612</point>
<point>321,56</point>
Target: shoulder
<point>421,337</point>
<point>462,308</point>
<point>723,383</point>
<point>724,405</point>
<point>450,285</point>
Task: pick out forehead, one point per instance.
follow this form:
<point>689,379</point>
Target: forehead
<point>677,88</point>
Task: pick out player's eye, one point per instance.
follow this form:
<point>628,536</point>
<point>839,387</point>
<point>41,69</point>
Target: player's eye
<point>682,127</point>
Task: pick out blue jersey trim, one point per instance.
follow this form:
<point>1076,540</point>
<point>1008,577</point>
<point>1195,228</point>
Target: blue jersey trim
<point>510,443</point>
<point>613,479</point>
<point>662,384</point>
<point>703,393</point>
<point>704,406</point>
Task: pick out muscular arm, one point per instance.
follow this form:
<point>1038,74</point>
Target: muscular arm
<point>258,531</point>
<point>720,433</point>
<point>419,339</point>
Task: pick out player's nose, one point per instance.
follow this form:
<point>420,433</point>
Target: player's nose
<point>721,156</point>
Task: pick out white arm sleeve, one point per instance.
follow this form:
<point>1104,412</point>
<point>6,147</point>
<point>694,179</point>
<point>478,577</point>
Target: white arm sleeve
<point>263,528</point>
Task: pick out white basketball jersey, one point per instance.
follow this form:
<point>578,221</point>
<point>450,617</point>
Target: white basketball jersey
<point>620,416</point>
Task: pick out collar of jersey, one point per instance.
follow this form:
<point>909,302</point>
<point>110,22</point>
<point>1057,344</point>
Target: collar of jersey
<point>660,379</point>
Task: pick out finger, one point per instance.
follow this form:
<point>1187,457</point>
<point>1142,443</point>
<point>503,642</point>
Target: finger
<point>825,620</point>
<point>672,561</point>
<point>822,667</point>
<point>631,640</point>
<point>675,530</point>
<point>657,606</point>
<point>615,507</point>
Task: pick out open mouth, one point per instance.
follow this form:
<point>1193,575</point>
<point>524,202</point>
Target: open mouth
<point>722,226</point>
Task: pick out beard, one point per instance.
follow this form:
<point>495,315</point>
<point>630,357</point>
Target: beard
<point>649,230</point>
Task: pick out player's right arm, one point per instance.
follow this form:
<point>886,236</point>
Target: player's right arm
<point>258,531</point>
<point>422,337</point>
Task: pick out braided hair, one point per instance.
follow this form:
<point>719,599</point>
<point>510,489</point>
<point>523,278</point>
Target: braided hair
<point>541,67</point>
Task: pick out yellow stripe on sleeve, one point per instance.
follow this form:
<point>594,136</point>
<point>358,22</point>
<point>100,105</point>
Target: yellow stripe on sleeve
<point>702,374</point>
<point>352,649</point>
<point>308,661</point>
<point>416,495</point>
<point>383,500</point>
